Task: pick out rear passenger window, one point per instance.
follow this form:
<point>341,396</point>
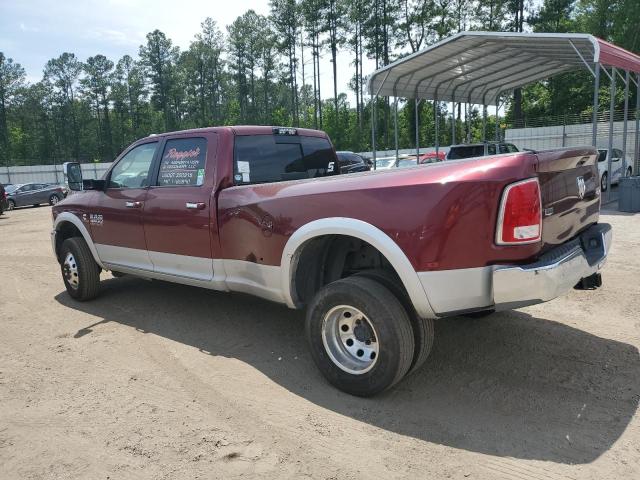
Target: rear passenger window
<point>276,158</point>
<point>182,162</point>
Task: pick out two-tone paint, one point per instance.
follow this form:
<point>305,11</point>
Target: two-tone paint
<point>435,224</point>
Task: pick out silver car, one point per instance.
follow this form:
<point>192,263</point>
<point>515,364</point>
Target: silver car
<point>33,194</point>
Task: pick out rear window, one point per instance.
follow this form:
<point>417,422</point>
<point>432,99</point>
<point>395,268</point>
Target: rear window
<point>276,158</point>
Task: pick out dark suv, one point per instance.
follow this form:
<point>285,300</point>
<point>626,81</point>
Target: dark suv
<point>352,162</point>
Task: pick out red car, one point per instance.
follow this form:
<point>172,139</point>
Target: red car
<point>432,157</point>
<point>261,210</point>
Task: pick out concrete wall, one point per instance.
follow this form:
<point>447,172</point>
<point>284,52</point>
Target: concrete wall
<point>48,173</point>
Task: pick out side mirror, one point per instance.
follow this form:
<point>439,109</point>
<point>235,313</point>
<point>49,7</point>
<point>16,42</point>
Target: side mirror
<point>73,175</point>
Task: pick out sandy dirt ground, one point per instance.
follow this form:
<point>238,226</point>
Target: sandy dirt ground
<point>160,381</point>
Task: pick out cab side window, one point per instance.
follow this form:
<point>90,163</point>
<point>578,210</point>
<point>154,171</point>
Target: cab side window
<point>132,171</point>
<point>182,163</point>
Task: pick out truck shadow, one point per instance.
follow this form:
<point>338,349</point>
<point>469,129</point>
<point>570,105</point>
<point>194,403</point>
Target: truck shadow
<point>508,385</point>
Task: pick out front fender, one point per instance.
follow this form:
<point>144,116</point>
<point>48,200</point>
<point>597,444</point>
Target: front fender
<point>73,219</point>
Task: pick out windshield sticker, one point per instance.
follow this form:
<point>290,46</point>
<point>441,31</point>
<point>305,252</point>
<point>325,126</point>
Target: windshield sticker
<point>243,167</point>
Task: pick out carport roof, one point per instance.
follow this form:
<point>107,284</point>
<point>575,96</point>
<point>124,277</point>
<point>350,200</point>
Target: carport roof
<point>476,67</point>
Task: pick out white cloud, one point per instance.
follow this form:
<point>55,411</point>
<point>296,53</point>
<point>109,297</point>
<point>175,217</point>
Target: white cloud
<point>115,37</point>
<point>26,28</point>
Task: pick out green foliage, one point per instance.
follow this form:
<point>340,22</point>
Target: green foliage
<point>253,74</point>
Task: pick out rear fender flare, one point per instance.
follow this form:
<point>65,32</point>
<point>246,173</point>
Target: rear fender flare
<point>366,232</point>
<point>71,218</point>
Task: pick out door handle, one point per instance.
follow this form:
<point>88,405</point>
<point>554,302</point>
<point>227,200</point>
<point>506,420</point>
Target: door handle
<point>195,205</point>
<point>133,204</point>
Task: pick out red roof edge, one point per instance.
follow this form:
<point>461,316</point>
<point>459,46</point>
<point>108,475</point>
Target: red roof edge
<point>618,57</point>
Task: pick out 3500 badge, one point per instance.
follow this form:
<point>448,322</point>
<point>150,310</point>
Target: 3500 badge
<point>92,218</point>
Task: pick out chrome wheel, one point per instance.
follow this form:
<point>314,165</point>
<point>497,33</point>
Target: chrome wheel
<point>54,199</point>
<point>11,205</point>
<point>350,339</point>
<point>70,271</point>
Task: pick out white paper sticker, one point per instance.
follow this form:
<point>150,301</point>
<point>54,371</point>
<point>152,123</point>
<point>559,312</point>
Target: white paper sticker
<point>245,177</point>
<point>243,167</point>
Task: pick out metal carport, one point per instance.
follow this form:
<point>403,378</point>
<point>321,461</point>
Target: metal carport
<point>478,67</point>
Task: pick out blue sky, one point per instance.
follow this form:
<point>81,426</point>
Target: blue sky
<point>34,31</point>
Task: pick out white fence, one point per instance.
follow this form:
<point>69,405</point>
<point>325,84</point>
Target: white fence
<point>48,173</point>
<point>541,138</point>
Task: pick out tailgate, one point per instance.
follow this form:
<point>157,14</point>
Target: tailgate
<point>570,191</point>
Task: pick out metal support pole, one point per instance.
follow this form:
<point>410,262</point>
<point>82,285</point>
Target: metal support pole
<point>453,123</point>
<point>596,89</point>
<point>395,126</point>
<point>636,158</point>
<point>612,104</point>
<point>373,128</point>
<point>497,119</point>
<point>437,122</point>
<point>417,132</point>
<point>484,126</point>
<point>625,120</point>
<point>468,119</point>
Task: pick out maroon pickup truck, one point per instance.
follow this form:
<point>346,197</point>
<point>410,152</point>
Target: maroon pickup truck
<point>374,257</point>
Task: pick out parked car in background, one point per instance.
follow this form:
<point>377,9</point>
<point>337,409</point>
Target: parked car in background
<point>433,157</point>
<point>457,152</point>
<point>3,199</point>
<point>351,162</point>
<point>20,195</point>
<point>616,167</point>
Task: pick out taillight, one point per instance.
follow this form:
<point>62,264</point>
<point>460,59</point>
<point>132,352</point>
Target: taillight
<point>520,215</point>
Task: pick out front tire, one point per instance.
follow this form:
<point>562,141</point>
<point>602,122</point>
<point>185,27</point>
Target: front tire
<point>53,199</point>
<point>629,172</point>
<point>603,182</point>
<point>360,336</point>
<point>80,272</point>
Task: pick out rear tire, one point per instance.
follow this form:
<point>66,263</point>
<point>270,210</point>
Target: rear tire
<point>629,172</point>
<point>603,182</point>
<point>423,332</point>
<point>80,272</point>
<point>11,205</point>
<point>359,335</point>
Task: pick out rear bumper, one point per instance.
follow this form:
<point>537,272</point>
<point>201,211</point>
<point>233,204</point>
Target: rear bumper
<point>503,287</point>
<point>557,271</point>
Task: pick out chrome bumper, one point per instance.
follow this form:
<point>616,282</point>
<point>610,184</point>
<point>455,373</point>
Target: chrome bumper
<point>555,273</point>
